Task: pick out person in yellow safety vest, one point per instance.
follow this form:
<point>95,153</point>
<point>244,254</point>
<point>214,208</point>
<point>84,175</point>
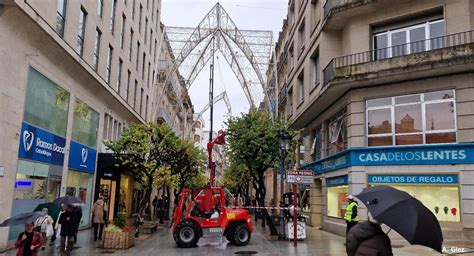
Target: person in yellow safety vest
<point>351,216</point>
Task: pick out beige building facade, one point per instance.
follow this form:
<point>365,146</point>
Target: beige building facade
<point>382,98</point>
<point>74,73</point>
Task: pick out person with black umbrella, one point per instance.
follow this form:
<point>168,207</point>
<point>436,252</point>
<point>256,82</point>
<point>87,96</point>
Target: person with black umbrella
<point>68,222</point>
<point>29,241</point>
<point>351,216</point>
<point>368,238</point>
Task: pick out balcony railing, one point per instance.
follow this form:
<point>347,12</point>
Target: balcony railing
<point>396,51</point>
<point>282,95</point>
<point>332,6</point>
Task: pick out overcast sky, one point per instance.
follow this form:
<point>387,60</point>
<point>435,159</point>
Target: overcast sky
<point>247,14</point>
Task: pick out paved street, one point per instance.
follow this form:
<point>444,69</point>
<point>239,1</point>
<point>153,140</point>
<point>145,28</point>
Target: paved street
<point>161,243</point>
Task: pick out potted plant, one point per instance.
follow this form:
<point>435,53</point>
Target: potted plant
<point>119,235</point>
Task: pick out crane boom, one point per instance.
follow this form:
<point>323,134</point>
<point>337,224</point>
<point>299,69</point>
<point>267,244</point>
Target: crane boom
<point>222,96</point>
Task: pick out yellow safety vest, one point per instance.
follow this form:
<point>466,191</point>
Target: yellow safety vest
<point>348,215</point>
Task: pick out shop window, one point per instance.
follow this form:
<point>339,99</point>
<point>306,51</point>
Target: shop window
<point>46,104</point>
<point>337,201</point>
<point>79,184</point>
<point>425,118</point>
<point>337,133</point>
<point>443,201</point>
<point>409,39</point>
<point>85,124</point>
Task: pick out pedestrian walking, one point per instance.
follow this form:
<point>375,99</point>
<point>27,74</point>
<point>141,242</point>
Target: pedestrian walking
<point>68,224</point>
<point>44,225</point>
<point>98,218</point>
<point>351,216</point>
<point>77,210</point>
<point>29,241</point>
<point>161,209</point>
<point>155,206</point>
<point>368,238</point>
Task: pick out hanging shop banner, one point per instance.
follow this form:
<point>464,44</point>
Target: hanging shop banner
<point>82,157</point>
<point>462,153</point>
<point>40,145</point>
<point>434,179</point>
<point>337,181</point>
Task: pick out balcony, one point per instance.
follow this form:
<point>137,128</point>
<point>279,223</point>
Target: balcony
<point>422,58</point>
<point>332,7</point>
<point>282,96</point>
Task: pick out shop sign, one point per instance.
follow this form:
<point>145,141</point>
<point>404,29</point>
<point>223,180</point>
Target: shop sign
<point>435,179</point>
<point>401,155</point>
<point>23,184</point>
<point>299,176</point>
<point>40,145</point>
<point>337,181</point>
<point>82,157</point>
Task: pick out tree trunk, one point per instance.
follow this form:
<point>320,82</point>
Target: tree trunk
<point>146,201</point>
<point>260,196</point>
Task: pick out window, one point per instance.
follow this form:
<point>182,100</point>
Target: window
<point>337,133</point>
<point>119,76</point>
<point>407,40</point>
<point>154,51</point>
<point>112,16</point>
<point>315,70</point>
<point>130,50</point>
<point>336,200</point>
<point>122,30</point>
<point>152,9</point>
<point>151,38</point>
<point>157,19</point>
<point>146,30</point>
<point>146,108</point>
<point>98,36</point>
<point>141,101</point>
<point>424,118</point>
<point>148,75</point>
<point>317,145</point>
<point>82,31</point>
<point>290,102</point>
<point>109,64</point>
<point>85,124</point>
<point>143,66</point>
<point>133,9</point>
<point>301,37</point>
<point>140,19</point>
<point>61,17</point>
<point>301,87</point>
<point>138,55</point>
<point>315,14</point>
<point>291,57</point>
<point>147,4</point>
<point>135,95</point>
<point>100,7</point>
<point>129,74</point>
<point>46,104</point>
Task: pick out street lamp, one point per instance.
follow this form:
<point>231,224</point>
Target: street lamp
<point>284,140</point>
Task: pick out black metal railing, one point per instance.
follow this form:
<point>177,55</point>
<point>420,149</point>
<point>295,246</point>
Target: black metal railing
<point>282,95</point>
<point>332,6</point>
<point>396,51</point>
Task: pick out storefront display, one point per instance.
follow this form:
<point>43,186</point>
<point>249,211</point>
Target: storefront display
<point>438,192</point>
<point>337,191</point>
<point>79,184</point>
<point>125,194</point>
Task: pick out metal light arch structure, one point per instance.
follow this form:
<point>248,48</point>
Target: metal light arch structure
<point>247,52</point>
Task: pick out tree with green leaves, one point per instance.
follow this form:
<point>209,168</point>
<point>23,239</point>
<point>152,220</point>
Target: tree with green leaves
<point>236,178</point>
<point>144,151</point>
<point>253,142</point>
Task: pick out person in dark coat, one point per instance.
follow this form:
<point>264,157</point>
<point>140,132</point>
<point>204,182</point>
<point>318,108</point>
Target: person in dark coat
<point>78,216</point>
<point>368,238</point>
<point>68,222</point>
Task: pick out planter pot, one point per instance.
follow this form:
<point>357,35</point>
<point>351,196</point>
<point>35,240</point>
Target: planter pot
<point>118,240</point>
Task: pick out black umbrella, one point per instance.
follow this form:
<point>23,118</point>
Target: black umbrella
<point>68,200</point>
<point>53,209</point>
<point>403,213</point>
<point>22,219</point>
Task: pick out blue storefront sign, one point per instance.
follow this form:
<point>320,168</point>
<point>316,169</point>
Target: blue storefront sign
<point>82,157</point>
<point>462,153</point>
<point>337,181</point>
<point>40,145</point>
<point>433,179</point>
